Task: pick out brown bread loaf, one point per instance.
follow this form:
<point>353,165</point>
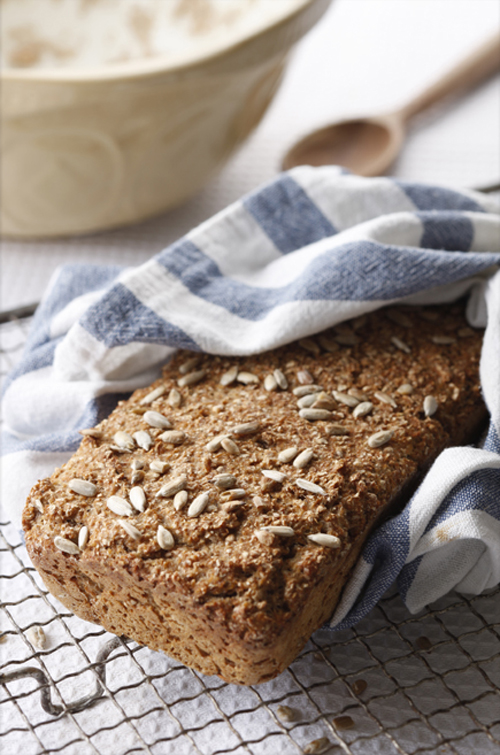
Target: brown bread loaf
<point>217,514</point>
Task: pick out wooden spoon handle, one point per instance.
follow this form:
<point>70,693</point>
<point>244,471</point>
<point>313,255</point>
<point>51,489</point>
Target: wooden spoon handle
<point>477,66</point>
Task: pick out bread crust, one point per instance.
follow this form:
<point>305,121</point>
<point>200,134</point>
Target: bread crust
<point>230,598</point>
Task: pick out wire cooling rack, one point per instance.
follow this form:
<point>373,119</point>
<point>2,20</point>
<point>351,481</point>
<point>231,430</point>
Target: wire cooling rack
<point>396,684</point>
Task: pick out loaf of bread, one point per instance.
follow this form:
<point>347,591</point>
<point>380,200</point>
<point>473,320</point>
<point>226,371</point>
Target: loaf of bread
<point>216,515</point>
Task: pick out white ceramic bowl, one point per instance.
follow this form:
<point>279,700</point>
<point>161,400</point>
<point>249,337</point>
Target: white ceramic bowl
<point>88,148</point>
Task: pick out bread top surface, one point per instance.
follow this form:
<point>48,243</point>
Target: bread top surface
<point>251,580</point>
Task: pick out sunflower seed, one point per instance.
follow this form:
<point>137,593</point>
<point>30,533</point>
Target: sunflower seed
<point>360,395</point>
<point>336,429</point>
<point>83,537</point>
<point>247,378</point>
<point>303,459</point>
<point>344,398</point>
<point>280,530</point>
<point>248,428</point>
<point>124,440</point>
<point>155,419</point>
<point>130,529</point>
<point>199,505</point>
<point>343,722</point>
<point>180,499</point>
<point>214,444</point>
<point>317,746</point>
<point>91,432</point>
<point>191,378</point>
<point>234,495</point>
<point>121,449</point>
<point>230,446</point>
<point>307,401</point>
<point>225,481</point>
<point>270,383</point>
<point>165,538</point>
<point>82,487</point>
<point>174,437</point>
<point>143,439</point>
<point>66,546</point>
<point>430,406</point>
<point>311,487</point>
<point>160,467</point>
<point>328,344</point>
<point>324,401</point>
<point>230,506</point>
<point>38,504</point>
<point>443,340</point>
<point>173,487</point>
<point>385,398</point>
<point>153,395</point>
<point>361,410</point>
<point>280,379</point>
<point>309,345</point>
<point>174,398</point>
<point>229,376</point>
<point>401,345</point>
<point>399,318</point>
<point>120,506</point>
<point>264,537</point>
<point>137,498</point>
<point>347,339</point>
<point>137,464</point>
<point>305,390</point>
<point>405,389</point>
<point>189,365</point>
<point>287,455</point>
<point>380,438</point>
<point>273,474</point>
<point>286,713</point>
<point>137,476</point>
<point>36,636</point>
<point>304,377</point>
<point>328,541</point>
<point>312,415</point>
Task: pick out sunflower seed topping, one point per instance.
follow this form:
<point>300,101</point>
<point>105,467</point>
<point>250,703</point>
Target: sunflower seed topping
<point>328,541</point>
<point>345,398</point>
<point>82,487</point>
<point>83,537</point>
<point>317,746</point>
<point>180,499</point>
<point>130,529</point>
<point>307,401</point>
<point>406,389</point>
<point>38,504</point>
<point>153,395</point>
<point>324,401</point>
<point>270,383</point>
<point>264,537</point>
<point>304,377</point>
<point>66,546</point>
<point>280,378</point>
<point>248,428</point>
<point>155,419</point>
<point>311,487</point>
<point>165,538</point>
<point>119,505</point>
<point>443,340</point>
<point>174,437</point>
<point>229,376</point>
<point>247,378</point>
<point>225,481</point>
<point>273,474</point>
<point>328,344</point>
<point>121,449</point>
<point>361,410</point>
<point>360,395</point>
<point>191,378</point>
<point>235,494</point>
<point>174,398</point>
<point>137,498</point>
<point>36,637</point>
<point>305,390</point>
<point>189,365</point>
<point>280,530</point>
<point>199,505</point>
<point>380,438</point>
<point>285,713</point>
<point>336,429</point>
<point>91,432</point>
<point>303,459</point>
<point>230,446</point>
<point>143,439</point>
<point>173,487</point>
<point>215,444</point>
<point>288,455</point>
<point>385,399</point>
<point>160,467</point>
<point>401,345</point>
<point>124,440</point>
<point>309,345</point>
<point>430,406</point>
<point>313,415</point>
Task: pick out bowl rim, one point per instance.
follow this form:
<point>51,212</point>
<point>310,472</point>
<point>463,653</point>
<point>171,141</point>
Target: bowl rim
<point>143,67</point>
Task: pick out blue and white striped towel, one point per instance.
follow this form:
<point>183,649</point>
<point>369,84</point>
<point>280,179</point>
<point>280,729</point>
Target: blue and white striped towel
<point>313,248</point>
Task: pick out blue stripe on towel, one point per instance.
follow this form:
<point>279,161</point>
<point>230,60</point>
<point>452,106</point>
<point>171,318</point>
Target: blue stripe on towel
<point>426,197</point>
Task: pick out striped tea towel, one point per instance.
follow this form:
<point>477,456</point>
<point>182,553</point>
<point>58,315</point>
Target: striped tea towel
<point>313,248</point>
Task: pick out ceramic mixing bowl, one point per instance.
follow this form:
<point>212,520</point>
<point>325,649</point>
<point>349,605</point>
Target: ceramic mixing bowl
<point>87,147</point>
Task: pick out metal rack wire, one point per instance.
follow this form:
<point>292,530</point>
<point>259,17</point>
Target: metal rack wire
<point>395,684</point>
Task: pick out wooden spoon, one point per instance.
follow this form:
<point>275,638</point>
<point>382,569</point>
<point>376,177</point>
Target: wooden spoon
<point>368,146</point>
